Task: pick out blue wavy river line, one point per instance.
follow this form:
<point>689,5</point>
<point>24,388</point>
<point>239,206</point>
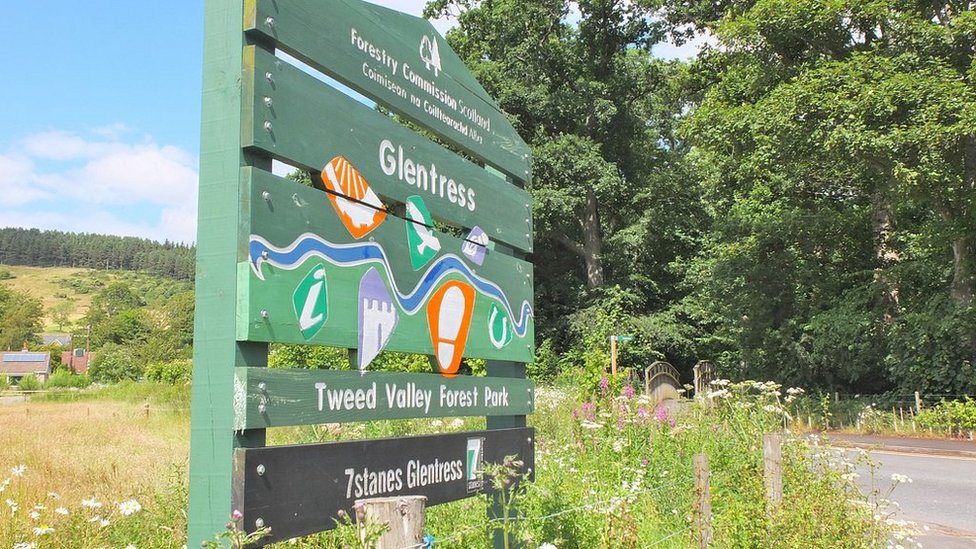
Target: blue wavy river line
<point>349,255</point>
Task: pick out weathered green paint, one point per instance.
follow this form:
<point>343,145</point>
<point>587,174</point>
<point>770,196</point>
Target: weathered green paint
<point>377,51</point>
<point>216,351</point>
<point>284,213</point>
<point>307,123</point>
<point>285,397</point>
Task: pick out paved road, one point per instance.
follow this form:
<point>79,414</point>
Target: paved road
<point>941,498</point>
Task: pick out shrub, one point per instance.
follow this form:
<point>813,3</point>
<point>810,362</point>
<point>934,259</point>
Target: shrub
<point>950,416</point>
<point>29,383</point>
<point>4,383</point>
<point>65,380</point>
<point>173,371</point>
<point>114,363</point>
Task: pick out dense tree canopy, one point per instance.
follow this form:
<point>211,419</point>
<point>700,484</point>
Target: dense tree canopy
<point>796,202</point>
<point>20,319</point>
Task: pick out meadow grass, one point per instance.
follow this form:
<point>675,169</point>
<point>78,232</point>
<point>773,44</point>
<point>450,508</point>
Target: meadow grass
<point>611,472</point>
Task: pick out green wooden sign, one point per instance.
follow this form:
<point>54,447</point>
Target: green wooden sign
<point>399,60</point>
<point>302,121</point>
<point>298,490</point>
<point>364,265</point>
<point>283,397</point>
<point>307,278</point>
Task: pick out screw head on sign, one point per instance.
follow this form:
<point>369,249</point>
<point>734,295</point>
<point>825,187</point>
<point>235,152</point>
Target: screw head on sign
<point>261,469</point>
<point>269,21</point>
<point>268,76</point>
<point>259,523</point>
<point>263,387</point>
<point>266,196</point>
<point>262,408</point>
<point>264,313</point>
<point>264,254</point>
<point>267,101</point>
<point>267,125</point>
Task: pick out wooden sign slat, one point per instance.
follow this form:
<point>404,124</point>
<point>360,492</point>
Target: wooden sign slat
<point>294,230</point>
<point>398,60</point>
<point>283,397</point>
<point>297,490</point>
<point>305,122</point>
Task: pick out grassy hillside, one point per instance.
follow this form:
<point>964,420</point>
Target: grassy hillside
<point>71,289</point>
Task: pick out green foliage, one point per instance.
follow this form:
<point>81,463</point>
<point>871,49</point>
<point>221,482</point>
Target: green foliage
<point>933,349</point>
<point>283,355</point>
<point>56,248</point>
<point>29,382</point>
<point>20,318</point>
<point>66,380</point>
<point>4,383</point>
<point>115,363</point>
<point>950,416</point>
<point>5,274</point>
<point>545,367</point>
<point>172,371</point>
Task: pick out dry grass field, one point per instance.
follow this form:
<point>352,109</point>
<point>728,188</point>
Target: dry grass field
<point>43,283</point>
<point>104,449</point>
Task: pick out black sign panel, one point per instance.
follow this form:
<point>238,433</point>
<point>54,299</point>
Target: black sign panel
<point>298,490</point>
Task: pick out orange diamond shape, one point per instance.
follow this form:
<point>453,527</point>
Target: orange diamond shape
<point>358,207</point>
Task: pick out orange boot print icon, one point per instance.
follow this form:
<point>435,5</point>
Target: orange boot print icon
<point>449,317</point>
<point>358,207</point>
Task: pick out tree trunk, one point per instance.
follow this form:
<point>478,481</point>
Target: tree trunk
<point>592,242</point>
<point>591,249</point>
<point>885,254</point>
<point>963,286</point>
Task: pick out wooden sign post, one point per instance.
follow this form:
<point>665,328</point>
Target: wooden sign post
<point>356,262</point>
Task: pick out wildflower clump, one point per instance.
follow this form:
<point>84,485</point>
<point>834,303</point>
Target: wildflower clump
<point>47,520</point>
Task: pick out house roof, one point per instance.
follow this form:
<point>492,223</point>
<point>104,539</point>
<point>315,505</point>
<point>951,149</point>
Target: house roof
<point>23,363</point>
<point>63,340</point>
<point>78,364</point>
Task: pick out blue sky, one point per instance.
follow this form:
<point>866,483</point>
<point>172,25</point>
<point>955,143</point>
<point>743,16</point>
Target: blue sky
<point>101,115</point>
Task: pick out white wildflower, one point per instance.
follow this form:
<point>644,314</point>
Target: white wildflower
<point>91,503</point>
<point>54,495</point>
<point>590,424</point>
<point>43,530</point>
<point>130,507</point>
<point>61,511</point>
<point>25,545</point>
<point>4,484</point>
<point>437,424</point>
<point>457,423</point>
<point>13,506</point>
<point>898,478</point>
<point>35,515</point>
<point>18,471</point>
<point>850,476</point>
<point>720,382</point>
<point>721,393</point>
<point>547,545</point>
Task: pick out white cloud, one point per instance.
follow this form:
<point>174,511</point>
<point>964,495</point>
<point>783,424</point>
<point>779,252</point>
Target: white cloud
<point>100,183</point>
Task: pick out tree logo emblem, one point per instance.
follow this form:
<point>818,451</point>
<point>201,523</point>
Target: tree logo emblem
<point>430,55</point>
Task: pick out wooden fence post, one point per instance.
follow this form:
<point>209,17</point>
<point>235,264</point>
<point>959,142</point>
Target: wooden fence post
<point>403,516</point>
<point>773,469</point>
<point>918,402</point>
<point>703,502</point>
